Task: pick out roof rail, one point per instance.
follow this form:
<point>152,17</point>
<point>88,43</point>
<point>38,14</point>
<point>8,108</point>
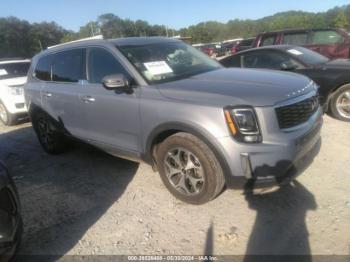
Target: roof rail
<point>79,40</point>
<point>12,59</point>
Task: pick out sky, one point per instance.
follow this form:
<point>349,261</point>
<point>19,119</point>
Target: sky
<point>71,14</point>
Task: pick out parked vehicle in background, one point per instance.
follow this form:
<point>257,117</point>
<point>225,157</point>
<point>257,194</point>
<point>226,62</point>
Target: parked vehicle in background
<point>213,50</point>
<point>242,45</point>
<point>13,75</point>
<point>332,76</point>
<point>161,101</point>
<point>229,46</point>
<point>332,43</point>
<point>208,50</point>
<point>10,216</point>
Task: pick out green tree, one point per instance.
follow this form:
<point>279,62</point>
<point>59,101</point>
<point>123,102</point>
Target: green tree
<point>341,20</point>
<point>20,38</point>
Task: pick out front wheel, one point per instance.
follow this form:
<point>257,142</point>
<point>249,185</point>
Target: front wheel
<point>6,117</point>
<point>50,137</point>
<point>340,103</point>
<point>189,169</point>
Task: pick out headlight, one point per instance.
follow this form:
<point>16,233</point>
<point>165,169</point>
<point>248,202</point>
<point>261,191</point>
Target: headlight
<point>243,124</point>
<point>16,90</point>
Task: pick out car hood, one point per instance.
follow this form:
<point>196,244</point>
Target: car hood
<point>14,81</point>
<point>338,63</point>
<point>238,87</point>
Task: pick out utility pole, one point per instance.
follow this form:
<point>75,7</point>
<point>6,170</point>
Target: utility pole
<point>92,29</point>
<point>41,46</point>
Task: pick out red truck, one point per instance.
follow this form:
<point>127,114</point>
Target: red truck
<point>332,43</point>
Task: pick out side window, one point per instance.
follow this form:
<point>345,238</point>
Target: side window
<point>102,63</point>
<point>69,66</point>
<point>268,40</point>
<point>327,37</point>
<point>295,38</point>
<point>269,60</point>
<point>43,68</point>
<point>234,61</point>
<point>250,60</point>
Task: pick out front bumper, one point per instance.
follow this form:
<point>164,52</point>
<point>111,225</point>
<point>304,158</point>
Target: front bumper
<point>16,104</point>
<point>273,160</point>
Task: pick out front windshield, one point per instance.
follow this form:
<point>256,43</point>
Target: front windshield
<point>307,56</point>
<point>12,70</point>
<point>165,62</point>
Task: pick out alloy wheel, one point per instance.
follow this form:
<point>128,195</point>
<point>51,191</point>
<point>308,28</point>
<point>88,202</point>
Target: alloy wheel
<point>46,132</point>
<point>343,104</point>
<point>184,171</point>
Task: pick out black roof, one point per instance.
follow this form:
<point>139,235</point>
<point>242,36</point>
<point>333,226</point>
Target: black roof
<point>271,47</point>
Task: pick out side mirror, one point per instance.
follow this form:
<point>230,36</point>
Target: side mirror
<point>116,81</point>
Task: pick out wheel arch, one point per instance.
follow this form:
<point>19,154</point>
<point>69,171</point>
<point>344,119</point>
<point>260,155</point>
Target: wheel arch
<point>339,85</point>
<point>163,131</point>
<point>35,109</point>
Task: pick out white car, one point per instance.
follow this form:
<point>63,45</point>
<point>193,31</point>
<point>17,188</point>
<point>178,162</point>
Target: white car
<point>13,76</point>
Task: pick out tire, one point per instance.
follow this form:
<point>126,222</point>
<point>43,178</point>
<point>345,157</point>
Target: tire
<point>340,103</point>
<point>195,174</point>
<point>6,117</point>
<point>50,137</point>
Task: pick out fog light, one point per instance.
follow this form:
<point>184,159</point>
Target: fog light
<point>251,139</point>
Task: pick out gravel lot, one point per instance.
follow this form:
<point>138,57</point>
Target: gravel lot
<point>87,202</point>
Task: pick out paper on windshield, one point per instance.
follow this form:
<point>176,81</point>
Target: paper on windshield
<point>3,72</point>
<point>158,68</point>
<point>295,52</point>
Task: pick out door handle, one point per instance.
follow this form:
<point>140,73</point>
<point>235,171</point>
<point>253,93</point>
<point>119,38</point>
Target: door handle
<point>47,94</point>
<point>88,99</point>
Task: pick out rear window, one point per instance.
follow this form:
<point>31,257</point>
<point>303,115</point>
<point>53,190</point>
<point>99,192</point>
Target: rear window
<point>12,70</point>
<point>307,56</point>
<point>233,61</point>
<point>265,59</point>
<point>327,37</point>
<point>295,38</point>
<point>69,66</point>
<point>268,40</point>
<point>43,68</point>
<point>246,42</point>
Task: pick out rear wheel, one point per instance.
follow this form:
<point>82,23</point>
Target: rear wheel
<point>6,117</point>
<point>50,137</point>
<point>340,103</point>
<point>189,169</point>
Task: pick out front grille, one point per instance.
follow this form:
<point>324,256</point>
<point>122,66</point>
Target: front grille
<point>298,113</point>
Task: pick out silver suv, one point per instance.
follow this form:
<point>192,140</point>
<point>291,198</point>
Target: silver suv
<point>161,101</point>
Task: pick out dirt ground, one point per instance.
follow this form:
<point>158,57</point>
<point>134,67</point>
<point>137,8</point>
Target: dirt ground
<point>87,202</point>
